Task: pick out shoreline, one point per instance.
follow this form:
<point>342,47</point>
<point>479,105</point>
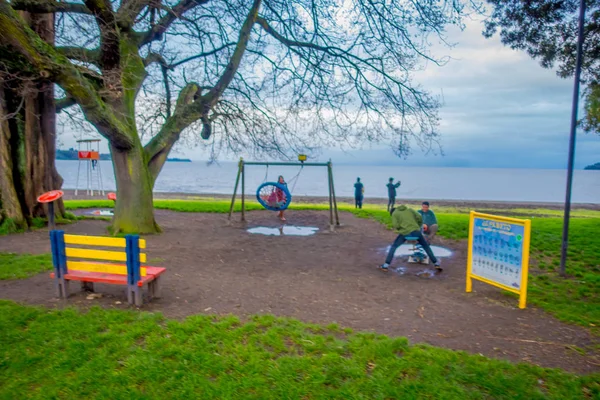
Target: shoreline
<point>70,195</point>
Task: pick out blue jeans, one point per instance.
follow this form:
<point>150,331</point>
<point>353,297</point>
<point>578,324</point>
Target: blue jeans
<point>358,201</point>
<point>401,239</point>
<point>391,203</point>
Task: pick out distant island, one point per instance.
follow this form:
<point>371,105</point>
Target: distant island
<point>71,154</point>
<point>179,159</point>
<point>593,166</point>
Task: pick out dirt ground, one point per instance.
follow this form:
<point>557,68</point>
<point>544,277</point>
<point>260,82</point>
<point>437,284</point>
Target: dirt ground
<point>218,268</point>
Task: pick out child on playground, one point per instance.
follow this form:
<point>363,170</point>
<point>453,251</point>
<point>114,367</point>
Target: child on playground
<point>281,195</point>
<point>408,224</point>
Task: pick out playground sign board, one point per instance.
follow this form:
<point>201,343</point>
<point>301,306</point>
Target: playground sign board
<point>499,253</point>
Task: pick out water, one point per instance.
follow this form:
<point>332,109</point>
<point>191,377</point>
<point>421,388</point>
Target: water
<point>526,185</point>
<point>101,213</point>
<point>407,249</point>
<point>421,273</point>
<point>285,230</point>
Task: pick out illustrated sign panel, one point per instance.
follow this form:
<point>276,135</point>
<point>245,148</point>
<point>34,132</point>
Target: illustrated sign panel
<point>499,252</point>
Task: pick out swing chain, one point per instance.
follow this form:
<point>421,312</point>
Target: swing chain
<point>266,173</point>
<point>295,179</point>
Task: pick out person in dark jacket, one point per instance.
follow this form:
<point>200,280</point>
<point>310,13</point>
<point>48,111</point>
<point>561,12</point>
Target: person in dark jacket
<point>430,224</point>
<point>391,186</point>
<point>408,224</point>
<point>359,190</point>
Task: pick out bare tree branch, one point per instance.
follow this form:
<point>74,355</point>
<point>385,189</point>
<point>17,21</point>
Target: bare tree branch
<point>49,6</point>
<point>201,55</point>
<point>172,15</point>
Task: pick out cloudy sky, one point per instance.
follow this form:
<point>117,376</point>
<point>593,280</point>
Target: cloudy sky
<point>501,109</point>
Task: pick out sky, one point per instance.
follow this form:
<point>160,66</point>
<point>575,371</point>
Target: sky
<point>500,110</point>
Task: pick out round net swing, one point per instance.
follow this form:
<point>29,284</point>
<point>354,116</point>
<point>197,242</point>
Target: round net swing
<point>274,196</point>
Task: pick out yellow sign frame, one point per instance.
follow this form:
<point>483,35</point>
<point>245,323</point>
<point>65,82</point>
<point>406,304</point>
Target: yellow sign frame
<point>522,292</point>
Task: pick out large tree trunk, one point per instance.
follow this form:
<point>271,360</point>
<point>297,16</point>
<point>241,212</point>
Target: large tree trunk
<point>10,205</point>
<point>40,132</point>
<point>134,211</point>
<point>28,141</point>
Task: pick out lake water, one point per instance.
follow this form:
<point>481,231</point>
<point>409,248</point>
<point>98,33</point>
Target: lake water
<point>527,185</point>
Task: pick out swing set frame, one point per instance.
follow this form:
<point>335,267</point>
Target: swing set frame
<point>334,219</point>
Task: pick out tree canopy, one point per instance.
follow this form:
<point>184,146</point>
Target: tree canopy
<point>547,31</point>
<point>239,73</point>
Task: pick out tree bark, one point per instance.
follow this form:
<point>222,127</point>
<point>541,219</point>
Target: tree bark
<point>134,210</point>
<point>10,206</point>
<point>40,132</point>
<point>28,141</point>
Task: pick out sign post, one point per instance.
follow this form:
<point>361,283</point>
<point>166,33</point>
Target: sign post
<point>499,253</point>
<point>49,198</point>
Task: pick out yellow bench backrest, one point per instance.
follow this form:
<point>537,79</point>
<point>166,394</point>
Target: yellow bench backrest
<point>104,255</point>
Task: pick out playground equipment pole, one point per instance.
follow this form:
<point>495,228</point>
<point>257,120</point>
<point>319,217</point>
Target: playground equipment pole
<point>335,208</point>
<point>237,181</point>
<point>567,216</point>
<point>243,168</point>
<point>330,196</point>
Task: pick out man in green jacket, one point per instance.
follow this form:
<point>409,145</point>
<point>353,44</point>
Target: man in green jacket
<point>408,224</point>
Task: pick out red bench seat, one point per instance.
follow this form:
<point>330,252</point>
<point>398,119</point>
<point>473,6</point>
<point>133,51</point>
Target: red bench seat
<point>115,279</point>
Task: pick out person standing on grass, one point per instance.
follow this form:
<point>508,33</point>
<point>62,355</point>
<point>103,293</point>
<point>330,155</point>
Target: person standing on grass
<point>408,224</point>
<point>359,192</point>
<point>391,186</point>
<point>430,224</point>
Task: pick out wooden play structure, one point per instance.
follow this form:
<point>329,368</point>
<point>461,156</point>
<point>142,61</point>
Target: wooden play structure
<point>72,264</point>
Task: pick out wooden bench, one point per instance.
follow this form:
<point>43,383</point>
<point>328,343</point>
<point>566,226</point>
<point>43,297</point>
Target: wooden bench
<point>72,264</point>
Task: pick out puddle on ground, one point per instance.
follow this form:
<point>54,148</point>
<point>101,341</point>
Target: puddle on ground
<point>400,270</point>
<point>407,250</point>
<point>422,273</point>
<point>102,213</point>
<point>427,273</point>
<point>285,230</point>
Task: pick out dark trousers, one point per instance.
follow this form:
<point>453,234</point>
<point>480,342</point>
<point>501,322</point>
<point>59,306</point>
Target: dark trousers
<point>358,202</point>
<point>391,203</point>
<point>401,239</point>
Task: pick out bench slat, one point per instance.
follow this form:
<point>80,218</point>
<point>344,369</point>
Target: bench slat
<point>100,254</point>
<point>117,269</point>
<point>104,278</point>
<point>99,241</point>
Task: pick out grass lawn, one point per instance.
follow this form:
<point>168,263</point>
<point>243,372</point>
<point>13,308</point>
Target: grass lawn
<point>124,354</point>
<point>117,354</point>
<point>20,266</point>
